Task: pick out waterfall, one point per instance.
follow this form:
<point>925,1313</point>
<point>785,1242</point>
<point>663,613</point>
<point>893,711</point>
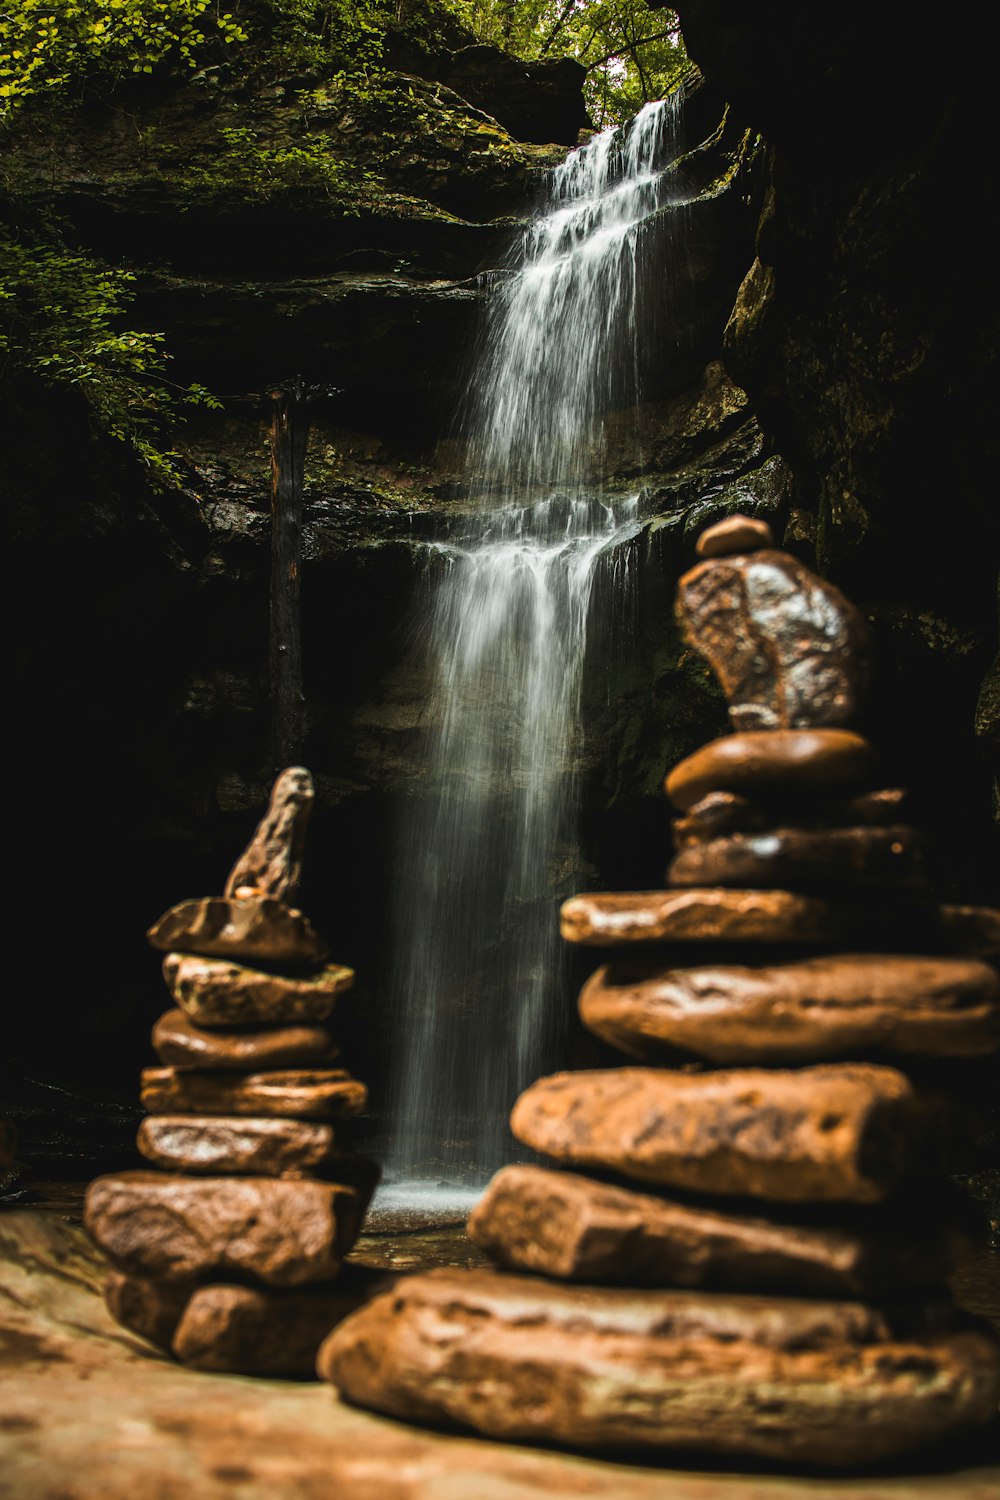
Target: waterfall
<point>489,846</point>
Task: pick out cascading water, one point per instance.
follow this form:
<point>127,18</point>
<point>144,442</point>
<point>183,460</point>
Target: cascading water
<point>490,845</point>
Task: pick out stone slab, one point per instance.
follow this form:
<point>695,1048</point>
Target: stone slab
<point>179,1043</point>
<point>150,1308</point>
<point>88,1411</point>
<point>255,927</point>
<point>721,813</point>
<point>790,651</point>
<point>841,1133</point>
<point>249,1331</point>
<point>271,864</point>
<point>572,1228</point>
<point>238,1145</point>
<point>835,858</point>
<point>798,1012</point>
<point>734,534</point>
<point>283,1232</point>
<point>837,1384</point>
<point>609,919</point>
<point>788,760</point>
<point>215,992</point>
<point>297,1093</point>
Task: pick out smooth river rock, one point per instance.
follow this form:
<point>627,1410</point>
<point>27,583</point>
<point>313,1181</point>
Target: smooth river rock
<point>733,535</point>
<point>825,858</point>
<point>609,919</point>
<point>830,1383</point>
<point>271,864</point>
<point>721,813</point>
<point>213,992</point>
<point>281,1231</point>
<point>798,1012</point>
<point>249,1331</point>
<point>181,1044</point>
<point>567,1226</point>
<point>152,1309</point>
<point>792,760</point>
<point>238,1145</point>
<point>788,648</point>
<point>841,1133</point>
<point>254,927</point>
<point>299,1094</point>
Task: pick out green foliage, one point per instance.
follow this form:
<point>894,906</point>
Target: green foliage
<point>255,168</point>
<point>632,54</point>
<point>62,322</point>
<point>54,45</point>
<point>343,39</point>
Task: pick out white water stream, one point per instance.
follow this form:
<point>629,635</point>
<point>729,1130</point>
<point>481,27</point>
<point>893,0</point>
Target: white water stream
<point>490,846</point>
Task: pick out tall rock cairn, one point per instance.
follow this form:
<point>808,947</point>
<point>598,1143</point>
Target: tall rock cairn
<point>746,1255</point>
<point>228,1253</point>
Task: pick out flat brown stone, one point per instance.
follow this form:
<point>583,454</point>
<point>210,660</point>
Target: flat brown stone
<point>766,760</point>
<point>788,648</point>
<point>721,813</point>
<point>254,927</point>
<point>213,992</point>
<point>831,1383</point>
<point>181,1044</point>
<point>839,1133</point>
<point>271,864</point>
<point>734,534</point>
<point>152,1309</point>
<point>798,1012</point>
<point>281,1231</point>
<point>828,857</point>
<point>238,1145</point>
<point>972,929</point>
<point>612,918</point>
<point>573,1228</point>
<point>299,1094</point>
<point>250,1331</point>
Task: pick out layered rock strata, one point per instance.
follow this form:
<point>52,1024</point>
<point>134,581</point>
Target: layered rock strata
<point>786,997</point>
<point>228,1251</point>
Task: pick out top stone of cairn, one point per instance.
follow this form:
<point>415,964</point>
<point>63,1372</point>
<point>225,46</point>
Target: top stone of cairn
<point>788,648</point>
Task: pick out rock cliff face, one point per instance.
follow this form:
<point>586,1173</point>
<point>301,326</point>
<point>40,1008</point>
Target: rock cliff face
<point>142,662</point>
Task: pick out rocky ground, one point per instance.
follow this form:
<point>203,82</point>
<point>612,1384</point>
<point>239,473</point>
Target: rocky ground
<point>87,1409</point>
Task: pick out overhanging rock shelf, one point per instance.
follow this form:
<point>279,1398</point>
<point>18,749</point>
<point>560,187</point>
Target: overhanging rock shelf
<point>745,1252</point>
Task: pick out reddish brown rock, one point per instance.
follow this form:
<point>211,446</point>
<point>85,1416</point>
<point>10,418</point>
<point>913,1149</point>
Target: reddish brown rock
<point>281,1231</point>
<point>789,650</point>
<point>271,864</point>
<point>767,760</point>
<point>181,1044</point>
<point>734,534</point>
<point>213,992</point>
<point>828,857</point>
<point>255,927</point>
<point>248,1331</point>
<point>152,1309</point>
<point>841,1133</point>
<point>831,1383</point>
<point>609,919</point>
<point>238,1145</point>
<point>798,1012</point>
<point>298,1094</point>
<point>721,813</point>
<point>573,1228</point>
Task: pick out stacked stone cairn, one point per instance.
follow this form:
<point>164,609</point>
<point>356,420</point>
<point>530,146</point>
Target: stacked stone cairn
<point>744,1250</point>
<point>228,1253</point>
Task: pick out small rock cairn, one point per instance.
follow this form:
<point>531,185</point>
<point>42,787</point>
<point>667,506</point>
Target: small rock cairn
<point>740,1259</point>
<point>225,1253</point>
